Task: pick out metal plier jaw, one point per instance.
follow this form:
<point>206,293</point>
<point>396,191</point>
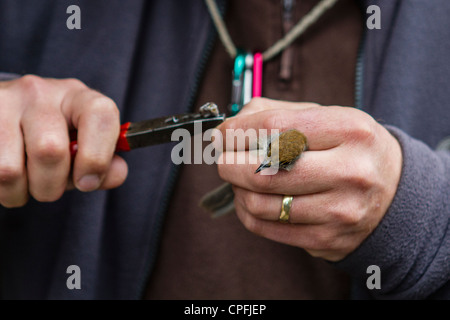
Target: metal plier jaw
<point>159,130</point>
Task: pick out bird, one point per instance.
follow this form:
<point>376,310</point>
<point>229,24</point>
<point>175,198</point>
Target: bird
<point>283,150</point>
<point>280,151</point>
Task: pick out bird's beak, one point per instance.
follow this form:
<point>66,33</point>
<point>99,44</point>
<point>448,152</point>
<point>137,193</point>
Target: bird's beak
<point>264,165</point>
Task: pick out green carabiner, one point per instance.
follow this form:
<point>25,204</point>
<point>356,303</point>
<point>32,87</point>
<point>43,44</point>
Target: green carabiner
<point>237,84</point>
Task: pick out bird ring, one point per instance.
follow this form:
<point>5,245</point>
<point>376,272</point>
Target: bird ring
<point>285,208</point>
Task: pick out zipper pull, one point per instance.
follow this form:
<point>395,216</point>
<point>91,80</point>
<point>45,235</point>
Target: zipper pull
<point>287,56</point>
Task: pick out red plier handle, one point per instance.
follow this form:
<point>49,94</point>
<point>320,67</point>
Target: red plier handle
<point>122,142</point>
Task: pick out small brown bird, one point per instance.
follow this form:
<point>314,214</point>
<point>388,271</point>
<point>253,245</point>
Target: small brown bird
<point>282,151</point>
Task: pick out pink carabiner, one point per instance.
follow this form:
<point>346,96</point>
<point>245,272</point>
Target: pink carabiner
<point>257,74</point>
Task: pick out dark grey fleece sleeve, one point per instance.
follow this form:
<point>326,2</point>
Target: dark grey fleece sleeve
<point>4,76</point>
<point>411,245</point>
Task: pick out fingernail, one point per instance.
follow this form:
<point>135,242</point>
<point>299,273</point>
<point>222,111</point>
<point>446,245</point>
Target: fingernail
<point>89,182</point>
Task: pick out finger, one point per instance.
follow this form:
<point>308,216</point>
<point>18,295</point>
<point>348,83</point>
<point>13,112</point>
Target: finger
<point>305,209</point>
<point>322,240</point>
<point>260,104</point>
<point>13,179</point>
<point>292,234</point>
<point>324,127</point>
<point>314,172</point>
<point>96,118</point>
<point>116,174</point>
<point>48,160</point>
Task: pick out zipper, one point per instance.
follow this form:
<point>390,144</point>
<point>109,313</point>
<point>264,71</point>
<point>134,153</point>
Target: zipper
<point>359,72</point>
<point>159,221</point>
<point>287,55</point>
<point>155,241</point>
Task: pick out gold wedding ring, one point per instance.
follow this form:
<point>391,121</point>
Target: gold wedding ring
<point>285,208</point>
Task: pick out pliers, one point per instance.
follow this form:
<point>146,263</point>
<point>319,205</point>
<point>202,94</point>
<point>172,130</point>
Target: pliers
<point>159,130</point>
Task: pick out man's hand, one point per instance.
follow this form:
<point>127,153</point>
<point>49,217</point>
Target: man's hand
<point>342,186</point>
<point>36,115</point>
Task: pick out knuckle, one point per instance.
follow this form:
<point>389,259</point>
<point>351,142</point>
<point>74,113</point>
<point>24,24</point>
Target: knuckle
<point>315,253</point>
<point>10,173</point>
<point>321,241</point>
<point>360,174</point>
<point>363,128</point>
<point>49,149</point>
<point>33,85</point>
<point>74,83</point>
<point>352,218</point>
<point>332,255</point>
<point>273,120</point>
<point>248,221</point>
<point>104,111</point>
<point>362,180</point>
<point>365,132</point>
<point>256,103</point>
<point>253,225</point>
<point>252,202</point>
<point>349,217</point>
<point>357,213</point>
<point>104,106</point>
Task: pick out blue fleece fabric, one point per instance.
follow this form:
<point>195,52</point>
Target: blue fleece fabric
<point>146,55</point>
<point>406,76</point>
